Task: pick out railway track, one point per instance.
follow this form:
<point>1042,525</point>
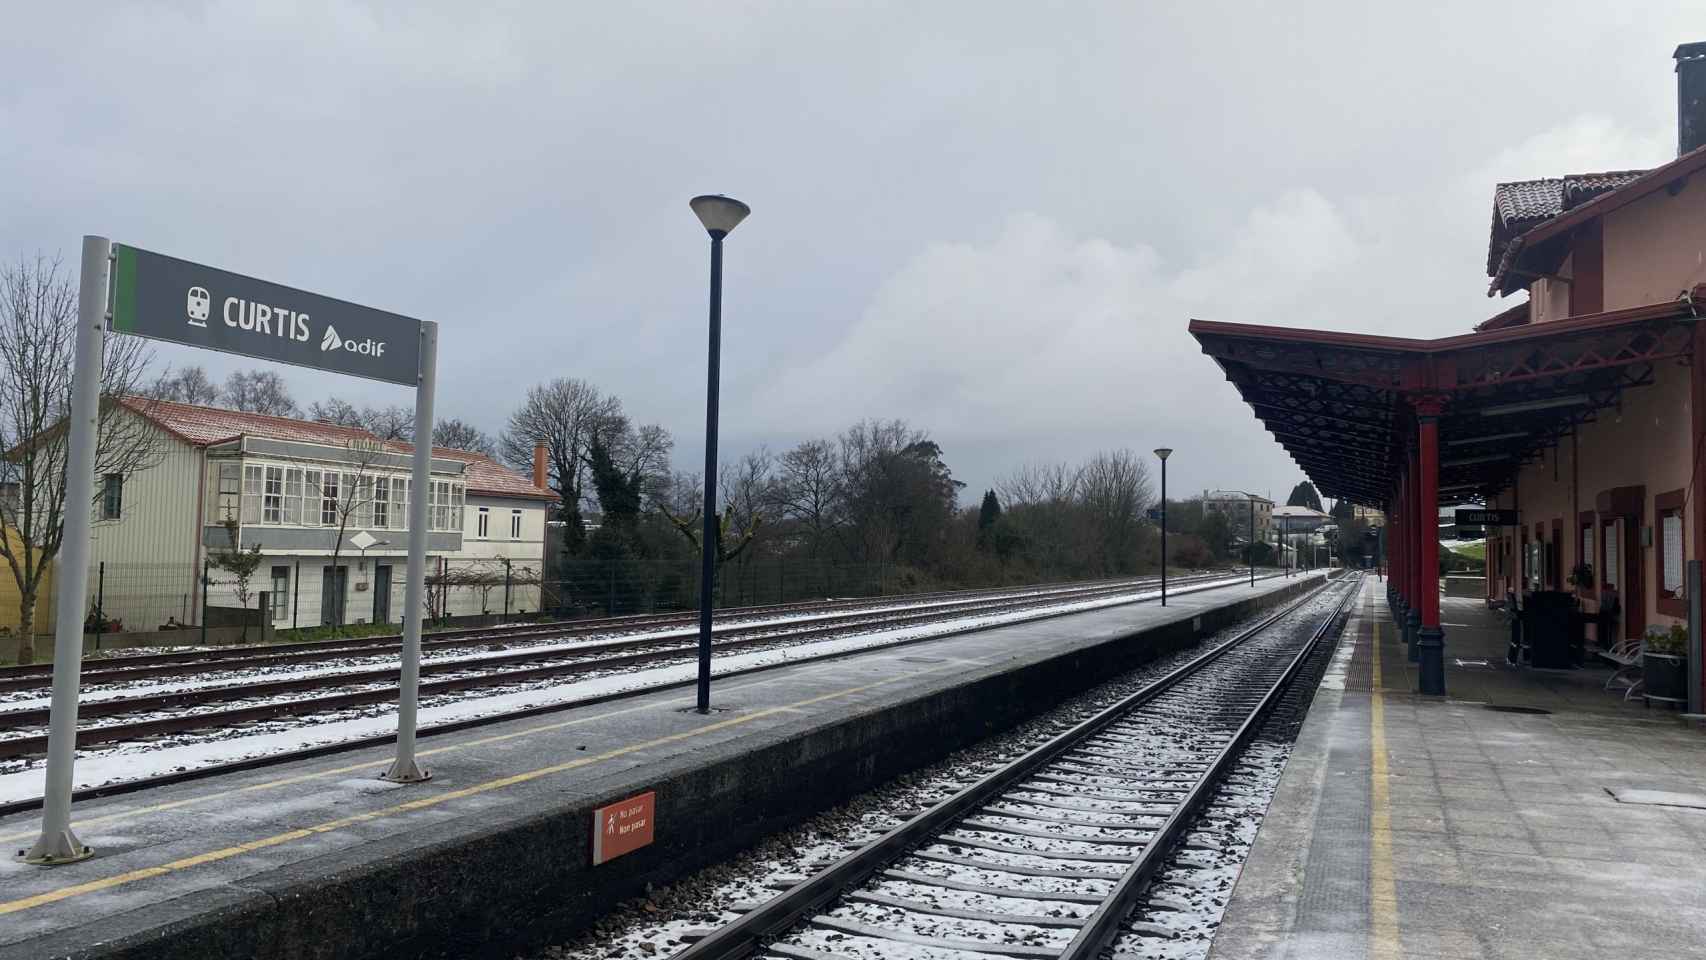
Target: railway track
<point>22,732</point>
<point>188,663</point>
<point>1046,857</point>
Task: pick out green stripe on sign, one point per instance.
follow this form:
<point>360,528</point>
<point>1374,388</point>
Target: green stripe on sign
<point>124,289</point>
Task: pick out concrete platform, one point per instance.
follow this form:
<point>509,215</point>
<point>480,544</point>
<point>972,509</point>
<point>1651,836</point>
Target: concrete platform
<point>1411,826</point>
<point>320,859</point>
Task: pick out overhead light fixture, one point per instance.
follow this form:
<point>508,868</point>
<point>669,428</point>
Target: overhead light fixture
<point>1466,461</point>
<point>1528,406</point>
<point>1489,438</point>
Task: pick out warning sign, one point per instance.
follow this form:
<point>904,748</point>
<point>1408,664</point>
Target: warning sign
<point>622,827</point>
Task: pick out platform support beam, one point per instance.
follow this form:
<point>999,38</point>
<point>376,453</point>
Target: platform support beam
<point>1430,638</point>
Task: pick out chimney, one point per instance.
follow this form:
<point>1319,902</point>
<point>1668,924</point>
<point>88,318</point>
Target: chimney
<point>539,463</point>
<point>1690,96</point>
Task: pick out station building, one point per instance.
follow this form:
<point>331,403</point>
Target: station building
<point>1238,506</point>
<point>303,491</point>
<point>1582,407</point>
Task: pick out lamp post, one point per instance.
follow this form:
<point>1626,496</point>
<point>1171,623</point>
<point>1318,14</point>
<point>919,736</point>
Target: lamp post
<point>720,215</point>
<point>1250,543</point>
<point>1163,453</point>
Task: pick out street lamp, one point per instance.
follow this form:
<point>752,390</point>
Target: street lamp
<point>1163,453</point>
<point>720,215</point>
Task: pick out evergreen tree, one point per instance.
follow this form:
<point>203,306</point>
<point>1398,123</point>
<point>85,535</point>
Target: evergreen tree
<point>986,517</point>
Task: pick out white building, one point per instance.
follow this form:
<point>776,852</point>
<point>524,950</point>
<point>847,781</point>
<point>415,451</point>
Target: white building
<point>312,496</point>
<point>1236,505</point>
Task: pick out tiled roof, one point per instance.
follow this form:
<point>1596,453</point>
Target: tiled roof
<point>1514,317</point>
<point>485,475</point>
<point>200,426</point>
<point>1521,204</point>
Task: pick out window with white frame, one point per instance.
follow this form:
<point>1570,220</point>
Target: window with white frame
<point>311,497</point>
<point>112,496</point>
<point>280,598</point>
<point>329,494</point>
<point>251,493</point>
<point>381,503</point>
<point>1670,551</point>
<point>359,488</point>
<point>515,524</point>
<point>483,528</point>
<point>228,497</point>
<point>1610,575</point>
<point>272,497</point>
<point>400,500</point>
<point>293,495</point>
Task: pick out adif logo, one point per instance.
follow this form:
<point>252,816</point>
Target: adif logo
<point>368,347</point>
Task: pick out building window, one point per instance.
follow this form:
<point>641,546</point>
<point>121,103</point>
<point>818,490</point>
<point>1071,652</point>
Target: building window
<point>1586,555</point>
<point>515,524</point>
<point>329,492</point>
<point>251,493</point>
<point>272,497</point>
<point>10,497</point>
<point>484,529</point>
<point>1609,574</point>
<point>280,592</point>
<point>1670,555</point>
<point>381,502</point>
<point>400,507</point>
<point>360,504</point>
<point>293,495</point>
<point>112,496</point>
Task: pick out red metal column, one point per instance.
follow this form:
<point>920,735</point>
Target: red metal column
<point>1430,639</point>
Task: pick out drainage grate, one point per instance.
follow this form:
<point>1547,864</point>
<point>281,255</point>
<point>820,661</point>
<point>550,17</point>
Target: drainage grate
<point>1507,708</point>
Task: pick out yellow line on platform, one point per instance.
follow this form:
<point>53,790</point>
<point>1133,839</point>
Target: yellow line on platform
<point>1383,884</point>
<point>421,803</point>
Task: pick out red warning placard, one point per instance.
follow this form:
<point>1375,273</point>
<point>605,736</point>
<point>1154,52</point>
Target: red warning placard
<point>623,827</point>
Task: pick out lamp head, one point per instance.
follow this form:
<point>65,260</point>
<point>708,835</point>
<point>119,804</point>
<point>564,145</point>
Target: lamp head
<point>718,213</point>
<point>1163,452</point>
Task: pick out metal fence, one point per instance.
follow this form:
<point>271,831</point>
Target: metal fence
<point>310,592</point>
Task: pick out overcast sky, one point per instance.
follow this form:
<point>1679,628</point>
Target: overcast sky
<point>991,219</point>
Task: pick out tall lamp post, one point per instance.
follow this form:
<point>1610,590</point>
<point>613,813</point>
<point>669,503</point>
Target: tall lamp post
<point>1163,453</point>
<point>720,215</point>
<point>1250,543</point>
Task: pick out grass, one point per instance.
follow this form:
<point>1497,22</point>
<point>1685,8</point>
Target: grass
<point>1475,551</point>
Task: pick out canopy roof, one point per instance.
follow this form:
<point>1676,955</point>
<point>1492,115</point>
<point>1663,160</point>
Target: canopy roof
<point>1343,404</point>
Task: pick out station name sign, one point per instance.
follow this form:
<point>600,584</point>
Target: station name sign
<point>1486,518</point>
<point>164,298</point>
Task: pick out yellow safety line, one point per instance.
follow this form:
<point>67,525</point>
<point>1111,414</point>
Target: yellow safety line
<point>1383,884</point>
<point>347,768</point>
<point>421,803</point>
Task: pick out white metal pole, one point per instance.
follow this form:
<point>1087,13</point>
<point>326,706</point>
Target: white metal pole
<point>57,843</point>
<point>404,769</point>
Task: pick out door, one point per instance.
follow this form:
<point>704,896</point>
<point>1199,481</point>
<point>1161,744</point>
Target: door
<point>382,593</point>
<point>334,587</point>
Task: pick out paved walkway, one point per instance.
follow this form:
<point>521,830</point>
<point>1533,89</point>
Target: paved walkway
<point>1411,826</point>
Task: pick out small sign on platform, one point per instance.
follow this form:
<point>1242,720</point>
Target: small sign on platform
<point>623,827</point>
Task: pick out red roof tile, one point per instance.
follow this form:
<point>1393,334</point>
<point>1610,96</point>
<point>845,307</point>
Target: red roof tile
<point>200,426</point>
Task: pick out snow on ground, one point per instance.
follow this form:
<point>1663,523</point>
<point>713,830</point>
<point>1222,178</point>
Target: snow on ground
<point>102,765</point>
<point>655,926</point>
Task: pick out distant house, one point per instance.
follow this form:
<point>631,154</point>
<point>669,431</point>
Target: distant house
<point>292,486</point>
<point>1299,519</point>
<point>1236,506</point>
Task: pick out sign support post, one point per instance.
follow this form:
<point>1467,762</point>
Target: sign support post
<point>57,843</point>
<point>404,769</point>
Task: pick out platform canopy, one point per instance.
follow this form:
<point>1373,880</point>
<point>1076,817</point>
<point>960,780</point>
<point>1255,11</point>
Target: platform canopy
<point>1344,405</point>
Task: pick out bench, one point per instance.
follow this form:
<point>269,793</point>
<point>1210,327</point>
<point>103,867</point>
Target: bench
<point>1625,654</point>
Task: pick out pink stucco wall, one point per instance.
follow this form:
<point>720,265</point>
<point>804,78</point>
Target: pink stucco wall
<point>1645,444</point>
<point>1655,248</point>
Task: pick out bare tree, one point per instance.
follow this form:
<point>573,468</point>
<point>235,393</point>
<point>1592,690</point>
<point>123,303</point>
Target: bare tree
<point>188,385</point>
<point>38,310</point>
<point>349,495</point>
<point>259,391</point>
<point>387,423</point>
<point>747,504</point>
<point>564,413</point>
<point>1114,489</point>
<point>462,435</point>
<point>1035,484</point>
<point>240,563</point>
<point>808,489</point>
